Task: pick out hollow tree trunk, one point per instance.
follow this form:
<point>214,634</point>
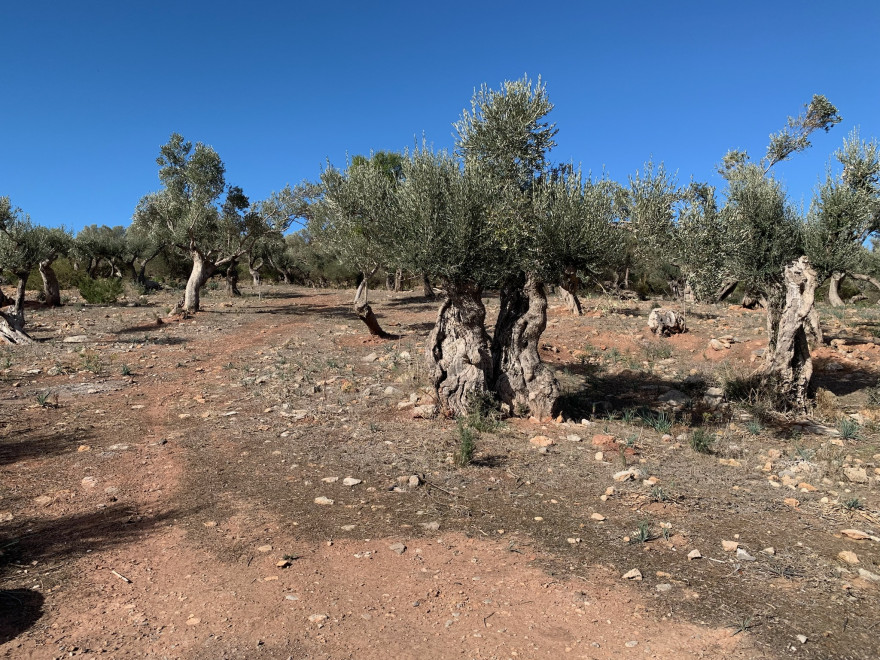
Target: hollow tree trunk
<point>364,311</point>
<point>201,272</point>
<point>789,368</point>
<point>521,380</point>
<point>427,289</point>
<point>232,279</point>
<point>51,288</point>
<point>834,289</point>
<point>459,351</point>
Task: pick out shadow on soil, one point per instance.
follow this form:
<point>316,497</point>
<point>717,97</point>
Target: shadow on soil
<point>19,610</point>
<point>25,446</point>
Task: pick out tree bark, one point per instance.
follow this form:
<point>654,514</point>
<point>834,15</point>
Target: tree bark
<point>520,379</point>
<point>12,323</point>
<point>834,289</point>
<point>427,289</point>
<point>459,351</point>
<point>865,278</point>
<point>51,288</point>
<point>364,311</point>
<point>232,279</point>
<point>789,368</point>
<point>568,292</point>
<point>398,280</point>
<point>201,272</point>
<point>726,289</point>
<point>255,269</point>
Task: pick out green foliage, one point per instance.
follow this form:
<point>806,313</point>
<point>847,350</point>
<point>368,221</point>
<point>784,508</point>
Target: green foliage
<point>853,504</point>
<point>466,445</point>
<point>849,428</point>
<point>100,291</point>
<point>701,441</point>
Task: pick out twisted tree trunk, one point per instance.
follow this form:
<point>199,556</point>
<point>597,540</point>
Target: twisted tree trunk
<point>427,289</point>
<point>866,278</point>
<point>459,352</point>
<point>788,369</point>
<point>12,323</point>
<point>568,289</point>
<point>364,311</point>
<point>232,278</point>
<point>521,380</point>
<point>51,288</point>
<point>834,289</point>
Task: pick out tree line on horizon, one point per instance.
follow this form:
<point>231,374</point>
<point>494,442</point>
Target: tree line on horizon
<point>496,213</point>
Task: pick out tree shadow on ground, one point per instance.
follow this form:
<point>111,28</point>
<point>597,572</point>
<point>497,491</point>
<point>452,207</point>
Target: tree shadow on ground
<point>845,381</point>
<point>19,610</point>
<point>38,444</point>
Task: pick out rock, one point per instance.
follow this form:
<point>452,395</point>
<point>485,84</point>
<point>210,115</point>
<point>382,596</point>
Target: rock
<point>432,526</point>
<point>599,456</point>
<point>399,548</point>
<point>695,554</point>
<point>541,441</point>
<point>674,399</point>
<point>414,481</point>
<point>573,540</point>
<point>323,500</point>
<point>372,357</point>
<point>83,448</point>
<point>716,345</point>
<point>634,574</point>
<point>264,548</point>
<point>75,339</point>
<point>769,551</point>
<point>664,587</point>
<point>858,535</point>
<point>347,528</point>
<point>89,482</point>
<point>857,475</point>
<point>627,475</point>
<point>848,556</point>
<point>403,405</point>
<point>597,516</point>
<point>391,390</point>
<point>193,621</point>
<point>318,618</point>
<point>730,546</point>
<point>6,516</point>
<point>665,322</point>
<point>291,597</point>
<point>631,644</point>
<point>43,500</point>
<point>427,411</point>
<point>868,575</point>
<point>742,555</point>
<point>350,481</point>
<point>283,563</point>
<point>792,502</point>
<point>573,438</point>
<point>730,462</point>
<point>330,480</point>
<point>602,440</point>
<point>802,639</point>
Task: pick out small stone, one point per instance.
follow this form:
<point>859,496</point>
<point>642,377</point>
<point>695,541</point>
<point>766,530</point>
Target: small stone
<point>403,405</point>
<point>541,441</point>
<point>601,440</point>
<point>664,587</point>
<point>372,357</point>
<point>318,618</point>
<point>609,491</point>
<point>804,487</point>
<point>730,462</point>
<point>774,454</point>
<point>428,411</point>
<point>350,481</point>
<point>391,390</point>
<point>634,574</point>
<point>347,528</point>
<point>399,548</point>
<point>264,548</point>
<point>792,502</point>
<point>82,448</point>
<point>283,563</point>
<point>291,597</point>
<point>330,480</point>
<point>414,481</point>
<point>769,551</point>
<point>210,523</point>
<point>193,621</point>
<point>6,516</point>
<point>43,500</point>
<point>75,339</point>
<point>802,639</point>
<point>694,554</point>
<point>573,438</point>
<point>599,456</point>
<point>742,555</point>
<point>89,482</point>
<point>432,526</point>
<point>857,475</point>
<point>716,345</point>
<point>323,500</point>
<point>597,516</point>
<point>729,546</point>
<point>856,534</point>
<point>868,575</point>
<point>848,556</point>
<point>631,644</point>
<point>573,540</point>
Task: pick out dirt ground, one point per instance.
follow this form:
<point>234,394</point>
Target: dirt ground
<point>251,483</point>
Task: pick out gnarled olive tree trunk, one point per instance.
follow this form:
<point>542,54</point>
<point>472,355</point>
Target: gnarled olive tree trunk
<point>201,272</point>
<point>51,288</point>
<point>459,352</point>
<point>521,380</point>
<point>568,291</point>
<point>12,323</point>
<point>788,368</point>
<point>427,289</point>
<point>232,278</point>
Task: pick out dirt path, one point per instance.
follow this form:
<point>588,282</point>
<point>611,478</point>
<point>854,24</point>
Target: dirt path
<point>172,513</point>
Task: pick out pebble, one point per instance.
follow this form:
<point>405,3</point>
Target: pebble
<point>695,554</point>
<point>597,516</point>
<point>541,441</point>
<point>769,551</point>
<point>347,528</point>
<point>372,357</point>
<point>868,575</point>
<point>631,644</point>
<point>802,639</point>
<point>323,500</point>
<point>848,556</point>
<point>664,587</point>
<point>193,621</point>
<point>729,546</point>
<point>399,548</point>
<point>43,500</point>
<point>318,618</point>
<point>634,574</point>
<point>330,480</point>
<point>350,481</point>
<point>599,456</point>
<point>432,526</point>
<point>573,438</point>
<point>264,548</point>
<point>291,597</point>
<point>743,555</point>
<point>89,482</point>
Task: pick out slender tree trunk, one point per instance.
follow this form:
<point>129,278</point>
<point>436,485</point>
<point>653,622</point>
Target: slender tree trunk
<point>726,289</point>
<point>789,368</point>
<point>427,289</point>
<point>363,309</point>
<point>201,272</point>
<point>389,280</point>
<point>232,278</point>
<point>521,380</point>
<point>51,288</point>
<point>834,289</point>
<point>626,278</point>
<point>398,280</point>
<point>255,269</point>
<point>459,351</point>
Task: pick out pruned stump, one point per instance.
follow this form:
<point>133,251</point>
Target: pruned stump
<point>665,322</point>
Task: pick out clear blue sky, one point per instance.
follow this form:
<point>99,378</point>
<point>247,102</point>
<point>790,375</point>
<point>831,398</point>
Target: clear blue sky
<point>90,90</point>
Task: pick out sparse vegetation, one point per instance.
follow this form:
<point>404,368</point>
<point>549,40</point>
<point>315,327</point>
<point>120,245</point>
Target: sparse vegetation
<point>701,441</point>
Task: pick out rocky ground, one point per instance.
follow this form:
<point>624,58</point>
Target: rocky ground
<point>265,480</point>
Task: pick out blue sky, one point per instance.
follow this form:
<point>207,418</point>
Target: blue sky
<point>92,89</point>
